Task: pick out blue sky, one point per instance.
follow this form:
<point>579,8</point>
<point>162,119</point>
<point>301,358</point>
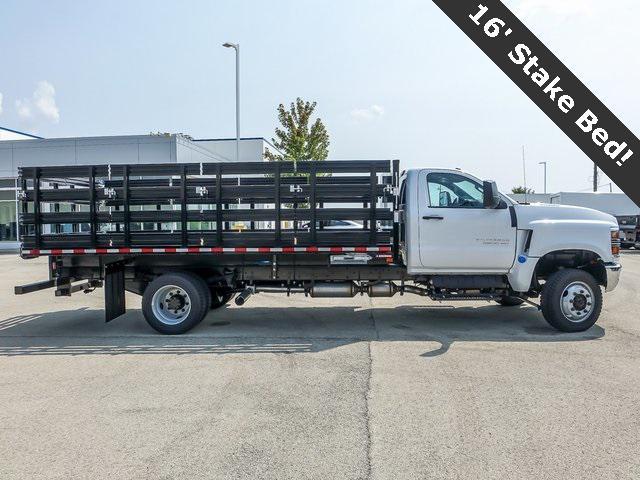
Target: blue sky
<point>392,79</point>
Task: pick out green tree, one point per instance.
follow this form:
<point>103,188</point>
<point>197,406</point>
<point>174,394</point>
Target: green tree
<point>520,189</point>
<point>298,139</point>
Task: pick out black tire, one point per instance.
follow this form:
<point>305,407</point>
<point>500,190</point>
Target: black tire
<point>569,284</point>
<point>218,300</point>
<point>194,293</point>
<point>510,301</point>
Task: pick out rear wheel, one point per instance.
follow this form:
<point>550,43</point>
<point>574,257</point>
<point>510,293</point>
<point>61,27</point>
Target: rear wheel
<point>174,303</point>
<point>510,301</point>
<point>571,300</point>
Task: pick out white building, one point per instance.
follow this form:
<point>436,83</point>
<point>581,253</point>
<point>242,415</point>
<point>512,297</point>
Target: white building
<point>530,197</point>
<point>252,149</point>
<point>8,204</point>
<point>616,204</point>
<point>19,149</point>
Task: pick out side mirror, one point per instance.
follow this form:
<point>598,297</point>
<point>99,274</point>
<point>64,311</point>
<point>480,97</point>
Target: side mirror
<point>490,193</point>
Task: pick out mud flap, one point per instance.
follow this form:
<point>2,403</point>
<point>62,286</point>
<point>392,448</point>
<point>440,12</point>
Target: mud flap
<point>114,300</point>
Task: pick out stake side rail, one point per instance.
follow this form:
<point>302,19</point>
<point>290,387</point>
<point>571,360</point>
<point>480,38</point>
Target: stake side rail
<point>217,206</point>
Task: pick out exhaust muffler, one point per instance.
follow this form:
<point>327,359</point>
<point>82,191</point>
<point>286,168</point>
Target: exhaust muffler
<point>334,290</point>
<point>351,289</point>
<point>243,296</point>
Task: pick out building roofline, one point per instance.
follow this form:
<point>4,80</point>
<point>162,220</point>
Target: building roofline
<point>21,133</point>
<point>226,139</point>
<point>36,137</point>
<point>233,138</point>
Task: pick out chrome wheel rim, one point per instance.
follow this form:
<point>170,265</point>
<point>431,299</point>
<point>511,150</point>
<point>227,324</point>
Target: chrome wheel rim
<point>171,304</point>
<point>577,302</point>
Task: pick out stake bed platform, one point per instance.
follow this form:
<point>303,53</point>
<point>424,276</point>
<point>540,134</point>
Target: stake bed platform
<point>216,208</point>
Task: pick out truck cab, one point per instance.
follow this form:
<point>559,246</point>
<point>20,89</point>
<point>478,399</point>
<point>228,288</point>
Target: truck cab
<point>449,229</point>
<point>463,232</point>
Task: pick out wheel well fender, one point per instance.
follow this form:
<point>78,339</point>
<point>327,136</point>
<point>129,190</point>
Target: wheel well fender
<point>585,260</point>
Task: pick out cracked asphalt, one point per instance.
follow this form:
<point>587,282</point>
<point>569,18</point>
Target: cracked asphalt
<point>316,388</point>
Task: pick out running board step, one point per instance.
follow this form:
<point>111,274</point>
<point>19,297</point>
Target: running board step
<point>450,298</point>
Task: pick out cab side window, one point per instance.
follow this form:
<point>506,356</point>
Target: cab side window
<point>450,190</point>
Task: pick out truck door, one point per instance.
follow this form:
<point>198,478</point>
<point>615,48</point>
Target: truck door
<point>456,232</point>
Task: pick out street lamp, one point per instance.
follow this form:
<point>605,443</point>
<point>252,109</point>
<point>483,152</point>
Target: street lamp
<point>236,47</point>
<point>545,175</point>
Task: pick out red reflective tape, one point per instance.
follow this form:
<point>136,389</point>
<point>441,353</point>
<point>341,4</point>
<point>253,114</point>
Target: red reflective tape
<point>288,249</point>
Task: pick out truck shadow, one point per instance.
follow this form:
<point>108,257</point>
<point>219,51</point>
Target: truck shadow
<point>284,330</point>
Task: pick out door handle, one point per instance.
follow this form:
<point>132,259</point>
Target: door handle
<point>432,217</point>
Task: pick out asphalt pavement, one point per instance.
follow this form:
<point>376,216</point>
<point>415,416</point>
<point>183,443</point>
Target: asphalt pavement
<point>294,387</point>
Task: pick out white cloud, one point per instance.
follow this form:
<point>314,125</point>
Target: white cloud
<point>23,109</point>
<point>45,101</point>
<point>565,8</point>
<point>0,103</point>
<point>367,114</point>
<point>41,104</point>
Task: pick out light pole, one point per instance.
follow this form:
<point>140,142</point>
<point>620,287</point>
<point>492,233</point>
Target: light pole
<point>545,175</point>
<point>236,47</point>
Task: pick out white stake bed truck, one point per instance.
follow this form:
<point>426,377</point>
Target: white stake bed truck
<point>190,237</point>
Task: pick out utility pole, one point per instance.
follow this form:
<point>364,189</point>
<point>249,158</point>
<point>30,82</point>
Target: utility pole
<point>545,175</point>
<point>524,175</point>
<point>236,47</point>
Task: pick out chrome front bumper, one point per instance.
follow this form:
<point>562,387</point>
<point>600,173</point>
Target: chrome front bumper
<point>613,275</point>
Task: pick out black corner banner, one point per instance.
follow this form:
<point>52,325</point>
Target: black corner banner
<point>552,87</point>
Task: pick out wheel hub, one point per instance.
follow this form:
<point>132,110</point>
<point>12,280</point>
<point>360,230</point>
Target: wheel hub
<point>175,302</point>
<point>171,304</point>
<point>577,301</point>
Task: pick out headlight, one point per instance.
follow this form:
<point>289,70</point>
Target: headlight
<point>615,242</point>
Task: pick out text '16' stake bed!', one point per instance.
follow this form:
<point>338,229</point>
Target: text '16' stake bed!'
<point>190,237</point>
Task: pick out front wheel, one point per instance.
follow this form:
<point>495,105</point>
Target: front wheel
<point>571,300</point>
<point>174,303</point>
